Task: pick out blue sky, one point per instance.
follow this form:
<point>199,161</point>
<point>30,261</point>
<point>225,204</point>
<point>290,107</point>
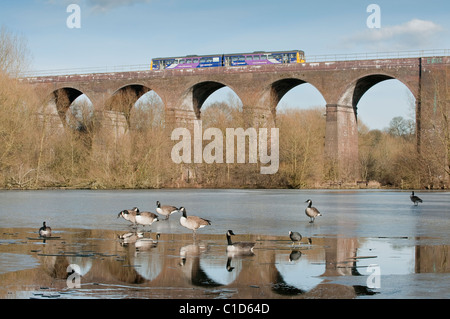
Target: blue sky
<point>129,32</point>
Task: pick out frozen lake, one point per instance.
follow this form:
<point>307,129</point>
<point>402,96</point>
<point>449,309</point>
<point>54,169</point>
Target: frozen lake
<point>367,244</point>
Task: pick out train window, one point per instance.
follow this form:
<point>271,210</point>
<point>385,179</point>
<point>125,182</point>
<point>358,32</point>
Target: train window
<point>249,58</point>
<point>195,60</point>
<point>189,61</point>
<point>209,60</point>
<point>256,57</point>
<point>203,60</point>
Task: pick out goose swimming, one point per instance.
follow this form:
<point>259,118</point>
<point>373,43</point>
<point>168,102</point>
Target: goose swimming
<point>239,246</point>
<point>45,231</point>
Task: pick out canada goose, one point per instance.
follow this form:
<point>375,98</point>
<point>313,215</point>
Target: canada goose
<point>45,231</point>
<point>295,237</point>
<point>192,222</point>
<point>415,199</point>
<point>239,246</point>
<point>311,212</point>
<point>165,210</point>
<point>145,218</point>
<point>129,214</point>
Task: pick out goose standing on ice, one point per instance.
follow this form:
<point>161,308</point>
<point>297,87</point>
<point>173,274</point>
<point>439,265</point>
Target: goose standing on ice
<point>311,212</point>
<point>415,199</point>
<point>129,214</point>
<point>192,222</point>
<point>165,210</point>
<point>145,218</point>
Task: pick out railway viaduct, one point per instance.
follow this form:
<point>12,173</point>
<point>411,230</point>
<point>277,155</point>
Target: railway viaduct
<point>260,88</point>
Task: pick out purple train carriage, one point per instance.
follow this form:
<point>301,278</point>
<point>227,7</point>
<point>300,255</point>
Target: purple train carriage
<point>228,60</point>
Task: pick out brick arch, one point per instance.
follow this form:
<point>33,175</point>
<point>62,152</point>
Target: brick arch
<point>275,90</point>
<point>195,96</point>
<point>123,98</point>
<point>354,91</point>
<point>281,87</point>
<point>63,98</point>
<point>341,138</point>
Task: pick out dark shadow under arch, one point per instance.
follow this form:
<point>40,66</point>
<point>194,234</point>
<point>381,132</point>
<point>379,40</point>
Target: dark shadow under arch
<point>63,98</point>
<point>281,87</point>
<point>124,98</point>
<point>364,84</point>
<point>201,92</point>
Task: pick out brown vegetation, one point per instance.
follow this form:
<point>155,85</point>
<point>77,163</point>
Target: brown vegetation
<point>36,153</point>
<point>78,150</point>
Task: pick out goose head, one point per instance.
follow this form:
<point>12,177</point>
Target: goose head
<point>230,233</point>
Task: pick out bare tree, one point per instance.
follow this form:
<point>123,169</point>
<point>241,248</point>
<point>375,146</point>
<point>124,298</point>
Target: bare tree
<point>14,53</point>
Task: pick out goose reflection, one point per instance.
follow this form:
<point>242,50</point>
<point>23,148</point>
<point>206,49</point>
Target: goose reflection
<point>143,243</point>
<point>129,238</point>
<point>146,261</point>
<point>228,267</point>
<point>191,267</point>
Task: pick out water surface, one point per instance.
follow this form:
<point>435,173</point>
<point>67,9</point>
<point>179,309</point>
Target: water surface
<point>359,231</point>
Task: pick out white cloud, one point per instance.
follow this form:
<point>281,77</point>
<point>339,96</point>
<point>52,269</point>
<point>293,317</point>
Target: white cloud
<point>412,35</point>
